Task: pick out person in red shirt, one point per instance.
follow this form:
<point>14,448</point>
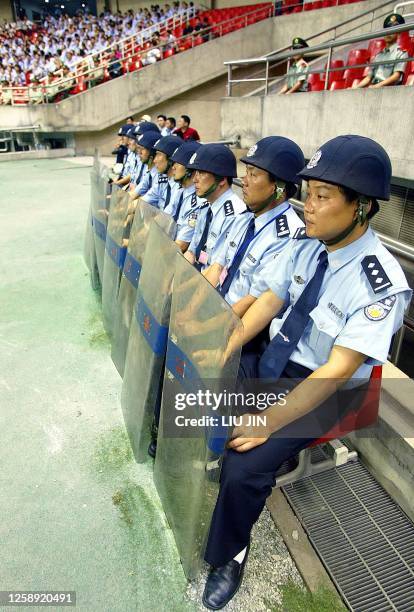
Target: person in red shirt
<point>184,130</point>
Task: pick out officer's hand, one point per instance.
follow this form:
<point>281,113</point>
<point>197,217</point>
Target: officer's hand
<point>189,257</point>
<point>207,358</point>
<point>247,435</point>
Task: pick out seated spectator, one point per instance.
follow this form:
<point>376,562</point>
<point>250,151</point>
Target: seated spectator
<point>170,124</point>
<point>188,29</point>
<point>152,56</point>
<point>184,130</point>
<point>297,75</point>
<point>36,92</point>
<point>162,124</point>
<point>96,74</point>
<point>382,75</point>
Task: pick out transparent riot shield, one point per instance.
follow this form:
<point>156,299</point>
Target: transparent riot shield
<point>148,339</point>
<point>100,213</point>
<point>144,215</point>
<point>89,252</point>
<point>187,463</point>
<point>115,252</point>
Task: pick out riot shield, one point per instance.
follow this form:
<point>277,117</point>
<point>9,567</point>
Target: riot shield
<point>89,252</point>
<point>100,212</point>
<point>148,339</point>
<point>143,217</point>
<point>187,463</point>
<point>115,251</point>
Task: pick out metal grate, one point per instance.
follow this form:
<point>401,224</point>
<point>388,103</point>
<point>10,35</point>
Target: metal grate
<point>363,538</point>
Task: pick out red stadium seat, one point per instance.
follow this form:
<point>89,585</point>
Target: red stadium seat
<point>338,85</point>
<point>410,81</point>
<point>356,82</point>
<point>198,40</point>
<point>314,77</point>
<point>168,53</point>
<point>375,46</point>
<point>318,86</point>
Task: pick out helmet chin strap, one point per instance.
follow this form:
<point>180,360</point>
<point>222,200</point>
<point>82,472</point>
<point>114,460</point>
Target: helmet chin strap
<point>213,187</point>
<point>185,176</point>
<point>276,195</point>
<point>360,219</point>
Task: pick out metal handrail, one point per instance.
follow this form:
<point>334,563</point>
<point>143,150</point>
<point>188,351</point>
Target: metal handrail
<point>265,59</point>
<point>401,5</point>
<point>26,128</point>
<point>60,86</point>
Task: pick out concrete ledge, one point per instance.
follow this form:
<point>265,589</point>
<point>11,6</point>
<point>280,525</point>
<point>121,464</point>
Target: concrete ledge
<point>42,154</point>
<point>388,450</point>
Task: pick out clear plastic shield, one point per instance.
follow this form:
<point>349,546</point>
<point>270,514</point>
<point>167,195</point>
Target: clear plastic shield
<point>89,252</point>
<point>187,463</point>
<point>115,252</point>
<point>100,213</point>
<point>144,215</point>
<point>148,339</point>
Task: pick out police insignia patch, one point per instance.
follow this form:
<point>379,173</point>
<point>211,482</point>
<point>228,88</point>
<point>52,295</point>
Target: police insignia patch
<point>251,151</point>
<point>314,160</point>
<point>193,158</point>
<point>228,208</point>
<point>375,273</point>
<point>380,310</point>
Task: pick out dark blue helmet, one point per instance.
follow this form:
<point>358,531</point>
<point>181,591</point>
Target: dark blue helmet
<point>216,159</point>
<point>146,126</point>
<point>184,152</point>
<point>277,155</point>
<point>124,129</point>
<point>355,162</point>
<point>167,144</point>
<point>148,140</point>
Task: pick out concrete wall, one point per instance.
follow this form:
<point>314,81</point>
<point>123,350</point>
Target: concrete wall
<point>312,118</point>
<point>5,11</point>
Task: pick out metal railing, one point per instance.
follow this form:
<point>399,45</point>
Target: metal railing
<point>85,77</point>
<point>275,58</point>
<point>403,5</point>
<point>7,138</point>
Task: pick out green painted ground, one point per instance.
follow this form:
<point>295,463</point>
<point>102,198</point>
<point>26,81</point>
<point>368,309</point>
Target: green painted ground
<point>76,512</point>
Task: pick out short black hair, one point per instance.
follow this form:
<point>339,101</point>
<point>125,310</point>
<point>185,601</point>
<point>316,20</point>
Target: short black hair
<point>162,117</point>
<point>290,188</point>
<point>131,118</point>
<point>172,120</point>
<point>186,119</point>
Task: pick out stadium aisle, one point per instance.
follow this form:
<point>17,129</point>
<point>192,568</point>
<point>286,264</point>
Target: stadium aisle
<point>77,512</point>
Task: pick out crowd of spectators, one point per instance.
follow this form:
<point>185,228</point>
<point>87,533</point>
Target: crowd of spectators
<point>30,52</point>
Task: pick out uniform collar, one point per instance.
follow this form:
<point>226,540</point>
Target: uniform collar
<point>342,256</point>
<point>392,48</point>
<point>227,195</point>
<point>261,220</point>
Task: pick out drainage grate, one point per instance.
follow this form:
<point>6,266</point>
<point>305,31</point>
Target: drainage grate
<point>363,538</point>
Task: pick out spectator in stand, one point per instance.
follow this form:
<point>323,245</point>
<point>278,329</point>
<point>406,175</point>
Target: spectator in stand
<point>96,74</point>
<point>382,75</point>
<point>152,56</point>
<point>184,130</point>
<point>170,124</point>
<point>162,124</point>
<point>297,75</point>
<point>188,29</point>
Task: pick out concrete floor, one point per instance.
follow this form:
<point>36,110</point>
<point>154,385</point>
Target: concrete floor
<point>77,513</point>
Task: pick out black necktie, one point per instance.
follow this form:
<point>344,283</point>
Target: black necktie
<point>180,203</point>
<point>238,258</point>
<point>203,240</point>
<point>277,354</point>
<point>168,196</point>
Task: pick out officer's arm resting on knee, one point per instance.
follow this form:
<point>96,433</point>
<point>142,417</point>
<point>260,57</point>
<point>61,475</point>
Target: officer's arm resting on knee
<point>341,365</point>
<point>242,306</point>
<point>183,246</point>
<point>189,256</point>
<point>212,273</point>
<point>264,309</point>
<point>394,78</point>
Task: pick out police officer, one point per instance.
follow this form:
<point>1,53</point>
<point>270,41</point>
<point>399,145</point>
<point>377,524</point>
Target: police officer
<point>146,151</point>
<point>297,75</point>
<point>260,235</point>
<point>131,161</point>
<point>344,296</point>
<point>382,75</point>
<point>163,187</point>
<point>215,167</point>
<point>122,149</point>
<point>186,205</point>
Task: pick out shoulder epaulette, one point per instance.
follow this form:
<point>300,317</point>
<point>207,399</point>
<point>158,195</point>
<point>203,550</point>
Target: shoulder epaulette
<point>300,234</point>
<point>282,227</point>
<point>193,200</point>
<point>228,208</point>
<point>162,179</point>
<point>375,273</point>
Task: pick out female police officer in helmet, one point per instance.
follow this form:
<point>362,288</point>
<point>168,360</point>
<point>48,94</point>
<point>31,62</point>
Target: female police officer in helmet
<point>344,296</point>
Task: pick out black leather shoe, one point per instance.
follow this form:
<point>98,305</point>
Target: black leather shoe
<point>223,583</point>
<point>152,448</point>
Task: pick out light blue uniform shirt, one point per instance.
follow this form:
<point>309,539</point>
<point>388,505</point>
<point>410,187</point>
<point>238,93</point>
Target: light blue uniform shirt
<point>136,169</point>
<point>128,164</point>
<point>224,209</point>
<point>273,230</point>
<point>350,312</point>
<point>189,211</point>
<point>147,179</point>
<point>158,193</point>
<point>176,191</point>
